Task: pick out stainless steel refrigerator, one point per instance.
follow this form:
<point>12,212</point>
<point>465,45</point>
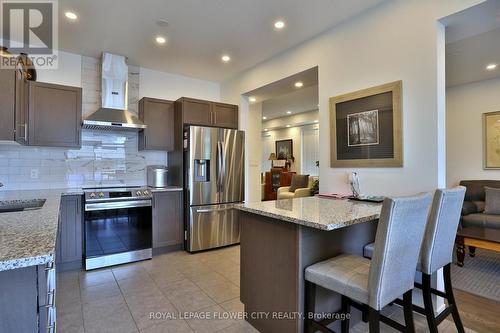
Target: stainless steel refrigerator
<point>214,181</point>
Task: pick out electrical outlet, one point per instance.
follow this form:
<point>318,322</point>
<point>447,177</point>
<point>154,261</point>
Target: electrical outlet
<point>34,173</point>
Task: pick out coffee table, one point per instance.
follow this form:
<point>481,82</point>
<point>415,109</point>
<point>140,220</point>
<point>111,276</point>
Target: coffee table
<point>484,238</point>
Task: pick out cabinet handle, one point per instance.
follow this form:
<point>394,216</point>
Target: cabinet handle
<point>215,117</point>
<point>25,125</point>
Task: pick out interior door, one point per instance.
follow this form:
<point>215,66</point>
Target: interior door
<point>202,171</point>
<point>233,163</point>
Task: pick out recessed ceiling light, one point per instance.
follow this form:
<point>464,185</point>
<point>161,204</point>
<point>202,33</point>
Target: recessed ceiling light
<point>264,118</point>
<point>252,99</point>
<point>279,24</point>
<point>162,22</point>
<point>265,129</point>
<point>71,15</point>
<point>491,67</point>
<point>299,84</point>
<point>161,40</point>
<point>289,112</point>
<point>225,58</point>
<point>287,125</point>
<point>316,121</point>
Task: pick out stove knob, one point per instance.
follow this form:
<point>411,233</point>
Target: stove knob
<point>138,193</point>
<point>146,192</point>
<point>92,195</point>
<point>101,195</point>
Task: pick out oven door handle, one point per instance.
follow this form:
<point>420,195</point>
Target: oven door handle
<point>117,205</point>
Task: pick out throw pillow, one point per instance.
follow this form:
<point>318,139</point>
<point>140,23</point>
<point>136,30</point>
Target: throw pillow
<point>492,201</point>
<point>299,181</point>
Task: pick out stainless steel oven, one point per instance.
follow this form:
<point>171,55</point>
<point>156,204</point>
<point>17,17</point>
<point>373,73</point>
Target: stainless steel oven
<point>118,226</point>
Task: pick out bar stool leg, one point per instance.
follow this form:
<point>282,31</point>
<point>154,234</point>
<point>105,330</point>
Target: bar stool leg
<point>408,311</point>
<point>374,320</point>
<point>346,310</point>
<point>448,288</point>
<point>429,309</point>
<point>309,306</point>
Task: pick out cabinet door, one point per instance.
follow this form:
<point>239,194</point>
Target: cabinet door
<point>167,219</point>
<point>7,102</point>
<point>55,115</point>
<point>158,115</point>
<point>18,300</point>
<point>196,112</point>
<point>70,241</point>
<point>225,115</point>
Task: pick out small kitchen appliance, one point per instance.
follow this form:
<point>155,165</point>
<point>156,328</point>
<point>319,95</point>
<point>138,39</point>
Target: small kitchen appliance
<point>157,176</point>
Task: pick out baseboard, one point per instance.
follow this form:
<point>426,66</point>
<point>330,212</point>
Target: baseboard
<point>167,249</point>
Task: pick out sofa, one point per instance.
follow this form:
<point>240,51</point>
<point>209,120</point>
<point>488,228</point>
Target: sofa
<point>284,191</point>
<point>473,207</point>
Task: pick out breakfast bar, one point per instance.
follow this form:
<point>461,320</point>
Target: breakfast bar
<point>279,239</point>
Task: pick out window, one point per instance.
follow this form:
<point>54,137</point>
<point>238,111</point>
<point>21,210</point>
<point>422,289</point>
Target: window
<point>267,149</point>
<point>310,150</point>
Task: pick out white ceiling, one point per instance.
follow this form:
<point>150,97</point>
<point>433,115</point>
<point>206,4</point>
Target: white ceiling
<point>301,100</point>
<point>282,95</point>
<point>473,42</point>
<point>199,31</point>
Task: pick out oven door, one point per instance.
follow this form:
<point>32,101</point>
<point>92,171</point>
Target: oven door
<point>114,228</point>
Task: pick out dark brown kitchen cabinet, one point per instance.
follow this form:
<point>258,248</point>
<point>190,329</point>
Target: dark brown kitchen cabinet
<point>206,113</point>
<point>27,299</point>
<point>158,115</point>
<point>7,103</point>
<point>167,219</point>
<point>69,246</point>
<point>54,115</point>
<point>195,111</point>
<point>225,115</point>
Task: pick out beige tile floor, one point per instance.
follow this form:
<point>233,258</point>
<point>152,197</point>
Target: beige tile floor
<point>121,299</point>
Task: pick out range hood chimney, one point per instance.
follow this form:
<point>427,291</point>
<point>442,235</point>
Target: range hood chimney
<point>113,114</point>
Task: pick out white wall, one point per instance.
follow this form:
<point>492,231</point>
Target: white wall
<point>69,71</point>
<point>293,133</point>
<point>465,105</point>
<point>395,41</point>
<point>171,86</point>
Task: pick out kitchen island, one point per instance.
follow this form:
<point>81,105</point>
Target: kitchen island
<point>279,239</point>
<point>27,255</point>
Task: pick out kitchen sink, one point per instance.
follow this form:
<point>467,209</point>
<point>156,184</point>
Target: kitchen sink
<point>20,205</point>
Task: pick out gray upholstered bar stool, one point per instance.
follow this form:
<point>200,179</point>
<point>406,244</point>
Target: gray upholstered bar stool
<point>375,283</point>
<point>436,253</point>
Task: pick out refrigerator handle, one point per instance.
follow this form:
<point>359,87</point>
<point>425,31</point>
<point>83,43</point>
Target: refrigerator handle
<point>219,167</point>
<point>223,167</point>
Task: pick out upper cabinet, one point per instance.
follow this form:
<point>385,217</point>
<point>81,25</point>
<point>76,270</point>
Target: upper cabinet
<point>51,116</point>
<point>225,115</point>
<point>158,115</point>
<point>206,113</point>
<point>7,103</point>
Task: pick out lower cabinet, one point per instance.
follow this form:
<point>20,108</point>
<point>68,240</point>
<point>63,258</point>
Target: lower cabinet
<point>27,299</point>
<point>168,228</point>
<point>69,246</point>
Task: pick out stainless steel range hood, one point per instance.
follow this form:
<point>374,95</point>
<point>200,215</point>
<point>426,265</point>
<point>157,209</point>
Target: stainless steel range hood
<point>113,114</point>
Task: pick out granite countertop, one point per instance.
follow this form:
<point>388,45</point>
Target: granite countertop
<point>314,212</point>
<point>28,238</point>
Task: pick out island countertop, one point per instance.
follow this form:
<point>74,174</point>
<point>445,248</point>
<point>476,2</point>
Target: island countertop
<point>28,238</point>
<point>314,212</point>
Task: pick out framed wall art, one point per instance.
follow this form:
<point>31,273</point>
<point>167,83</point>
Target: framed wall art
<point>365,128</point>
<point>491,136</point>
<point>284,149</point>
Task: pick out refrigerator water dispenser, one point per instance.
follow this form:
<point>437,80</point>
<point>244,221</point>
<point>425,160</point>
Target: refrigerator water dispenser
<point>201,170</point>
